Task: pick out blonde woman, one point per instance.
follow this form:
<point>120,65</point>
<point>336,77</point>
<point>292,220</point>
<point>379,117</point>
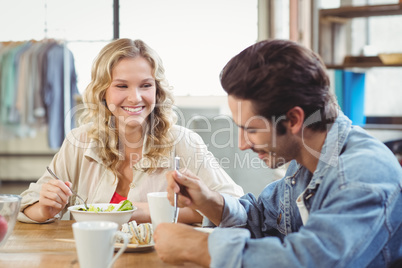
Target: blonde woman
<point>125,143</point>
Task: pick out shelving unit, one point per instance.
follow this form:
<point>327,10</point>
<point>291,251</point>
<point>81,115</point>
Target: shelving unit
<point>383,123</point>
<point>332,48</point>
<point>332,33</point>
<point>361,62</point>
<point>363,11</point>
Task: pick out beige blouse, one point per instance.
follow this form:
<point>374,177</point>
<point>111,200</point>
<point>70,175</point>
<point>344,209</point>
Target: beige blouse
<point>78,162</point>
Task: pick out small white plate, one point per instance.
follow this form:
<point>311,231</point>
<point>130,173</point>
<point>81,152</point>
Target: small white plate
<point>117,246</point>
<point>134,247</point>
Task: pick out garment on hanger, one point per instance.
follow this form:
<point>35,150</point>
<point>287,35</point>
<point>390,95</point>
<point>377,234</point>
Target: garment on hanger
<point>32,89</point>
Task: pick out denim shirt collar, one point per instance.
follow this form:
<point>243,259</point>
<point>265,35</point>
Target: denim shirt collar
<point>329,155</point>
<point>334,142</point>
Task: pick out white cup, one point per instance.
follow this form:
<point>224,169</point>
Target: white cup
<point>95,241</point>
<point>160,208</point>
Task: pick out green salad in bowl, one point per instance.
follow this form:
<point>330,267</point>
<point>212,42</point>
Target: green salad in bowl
<point>126,205</point>
<point>119,213</point>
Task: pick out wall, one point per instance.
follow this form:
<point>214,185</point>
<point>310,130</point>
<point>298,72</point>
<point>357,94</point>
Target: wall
<point>24,159</point>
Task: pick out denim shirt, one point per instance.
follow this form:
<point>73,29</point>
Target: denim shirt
<point>355,211</point>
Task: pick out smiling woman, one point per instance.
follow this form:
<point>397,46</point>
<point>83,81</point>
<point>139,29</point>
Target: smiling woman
<point>131,95</point>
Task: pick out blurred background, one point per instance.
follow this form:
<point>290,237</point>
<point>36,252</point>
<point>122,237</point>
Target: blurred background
<point>195,39</point>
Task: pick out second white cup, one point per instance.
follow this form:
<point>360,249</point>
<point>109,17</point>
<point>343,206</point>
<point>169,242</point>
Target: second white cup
<point>95,241</point>
<point>160,208</point>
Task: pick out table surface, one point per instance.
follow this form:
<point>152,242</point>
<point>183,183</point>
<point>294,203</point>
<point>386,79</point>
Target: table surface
<point>38,245</point>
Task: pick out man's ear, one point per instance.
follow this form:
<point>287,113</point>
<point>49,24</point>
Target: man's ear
<point>295,119</point>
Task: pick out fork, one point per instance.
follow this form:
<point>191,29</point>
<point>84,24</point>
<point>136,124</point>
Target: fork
<point>176,212</point>
<point>74,192</point>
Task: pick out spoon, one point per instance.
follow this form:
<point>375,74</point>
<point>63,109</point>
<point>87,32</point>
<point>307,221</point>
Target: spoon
<point>75,193</point>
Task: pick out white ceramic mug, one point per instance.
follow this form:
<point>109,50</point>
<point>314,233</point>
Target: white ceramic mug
<point>160,208</point>
<point>95,241</point>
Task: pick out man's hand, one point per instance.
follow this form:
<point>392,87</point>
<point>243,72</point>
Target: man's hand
<point>179,243</point>
<point>193,193</point>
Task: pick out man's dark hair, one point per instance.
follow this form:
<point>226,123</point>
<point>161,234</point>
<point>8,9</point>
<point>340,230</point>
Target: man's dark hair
<point>277,75</point>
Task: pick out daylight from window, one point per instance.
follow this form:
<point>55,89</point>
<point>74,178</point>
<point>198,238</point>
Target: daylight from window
<point>194,38</point>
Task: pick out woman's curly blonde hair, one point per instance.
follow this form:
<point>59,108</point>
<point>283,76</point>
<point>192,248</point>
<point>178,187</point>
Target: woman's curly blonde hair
<point>103,129</point>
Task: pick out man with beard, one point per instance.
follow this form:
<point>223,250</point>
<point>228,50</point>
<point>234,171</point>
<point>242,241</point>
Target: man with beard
<point>340,202</point>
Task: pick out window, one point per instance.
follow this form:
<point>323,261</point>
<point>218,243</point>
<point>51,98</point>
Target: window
<point>330,3</point>
<point>84,28</point>
<point>194,38</point>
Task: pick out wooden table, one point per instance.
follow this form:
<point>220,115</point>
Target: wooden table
<point>36,245</point>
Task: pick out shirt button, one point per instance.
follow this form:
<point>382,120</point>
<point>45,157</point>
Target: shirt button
<point>293,182</point>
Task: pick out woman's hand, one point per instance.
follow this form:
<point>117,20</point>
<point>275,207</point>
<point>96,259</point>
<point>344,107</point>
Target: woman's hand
<point>141,214</point>
<point>53,197</point>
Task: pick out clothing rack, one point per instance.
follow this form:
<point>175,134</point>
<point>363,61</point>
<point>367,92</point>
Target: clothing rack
<point>24,145</point>
<point>59,87</point>
<point>67,85</point>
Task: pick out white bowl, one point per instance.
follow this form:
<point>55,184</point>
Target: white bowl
<point>118,217</point>
<point>9,208</point>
